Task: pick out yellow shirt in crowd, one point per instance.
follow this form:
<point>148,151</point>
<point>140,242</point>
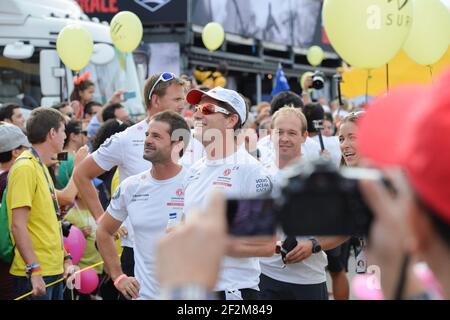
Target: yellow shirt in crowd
<point>27,187</point>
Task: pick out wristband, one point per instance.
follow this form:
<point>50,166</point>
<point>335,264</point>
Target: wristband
<point>32,268</point>
<point>118,279</point>
<point>68,257</point>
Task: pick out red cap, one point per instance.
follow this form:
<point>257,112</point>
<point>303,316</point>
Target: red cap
<point>410,127</point>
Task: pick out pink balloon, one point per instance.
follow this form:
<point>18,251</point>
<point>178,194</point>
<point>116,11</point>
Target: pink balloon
<point>366,287</point>
<point>76,243</point>
<point>88,281</point>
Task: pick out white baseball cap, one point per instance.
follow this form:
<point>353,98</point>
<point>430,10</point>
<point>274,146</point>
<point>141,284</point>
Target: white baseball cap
<point>220,94</point>
<point>12,137</point>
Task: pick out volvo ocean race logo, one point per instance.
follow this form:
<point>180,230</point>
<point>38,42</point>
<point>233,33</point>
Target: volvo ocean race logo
<point>152,5</point>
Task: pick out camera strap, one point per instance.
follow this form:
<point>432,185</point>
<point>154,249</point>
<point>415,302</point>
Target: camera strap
<point>402,280</point>
<point>51,188</point>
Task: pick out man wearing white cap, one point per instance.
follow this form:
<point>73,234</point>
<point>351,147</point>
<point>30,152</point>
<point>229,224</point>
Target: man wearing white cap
<point>228,166</point>
<point>12,143</point>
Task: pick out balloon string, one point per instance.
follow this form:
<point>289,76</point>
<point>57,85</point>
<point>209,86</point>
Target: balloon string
<point>387,77</point>
<point>431,72</point>
<point>62,279</point>
<point>367,85</point>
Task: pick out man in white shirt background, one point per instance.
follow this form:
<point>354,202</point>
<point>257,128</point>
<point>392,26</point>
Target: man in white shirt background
<point>161,92</point>
<point>314,112</point>
<point>301,275</point>
<point>310,148</point>
<point>228,166</point>
<point>147,199</point>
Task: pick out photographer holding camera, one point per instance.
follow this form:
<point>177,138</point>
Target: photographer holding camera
<point>300,273</point>
<point>414,222</point>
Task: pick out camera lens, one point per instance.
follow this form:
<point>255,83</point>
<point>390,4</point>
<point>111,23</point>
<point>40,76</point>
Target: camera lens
<point>318,80</point>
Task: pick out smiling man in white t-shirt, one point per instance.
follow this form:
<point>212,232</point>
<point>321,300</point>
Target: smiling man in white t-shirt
<point>228,166</point>
<point>301,276</point>
<point>161,92</point>
<point>147,199</point>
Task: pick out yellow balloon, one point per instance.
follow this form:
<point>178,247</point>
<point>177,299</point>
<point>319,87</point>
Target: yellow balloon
<point>126,31</point>
<point>74,46</point>
<point>428,40</point>
<point>213,36</point>
<point>315,56</point>
<point>367,33</point>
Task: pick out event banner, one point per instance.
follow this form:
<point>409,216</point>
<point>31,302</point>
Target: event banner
<point>291,22</point>
<point>150,12</point>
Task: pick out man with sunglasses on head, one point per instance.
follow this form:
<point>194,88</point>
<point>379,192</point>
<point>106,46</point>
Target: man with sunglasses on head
<point>219,114</point>
<point>125,150</point>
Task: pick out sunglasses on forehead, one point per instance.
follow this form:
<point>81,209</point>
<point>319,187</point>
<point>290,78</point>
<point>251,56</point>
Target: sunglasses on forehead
<point>166,76</point>
<point>209,108</point>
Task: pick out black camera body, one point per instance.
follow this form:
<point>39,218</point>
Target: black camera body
<point>321,200</point>
<point>65,226</point>
<point>314,199</point>
<point>318,80</point>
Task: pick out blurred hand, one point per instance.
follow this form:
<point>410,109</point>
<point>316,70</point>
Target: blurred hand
<point>123,232</point>
<point>38,285</point>
<point>302,251</point>
<point>81,154</point>
<point>117,96</point>
<point>264,114</point>
<point>389,235</point>
<point>76,105</point>
<point>307,83</point>
<point>192,253</point>
<point>129,287</point>
<point>325,154</point>
<point>87,231</point>
<point>69,269</point>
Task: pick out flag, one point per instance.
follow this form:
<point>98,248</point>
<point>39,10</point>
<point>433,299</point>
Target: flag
<point>281,83</point>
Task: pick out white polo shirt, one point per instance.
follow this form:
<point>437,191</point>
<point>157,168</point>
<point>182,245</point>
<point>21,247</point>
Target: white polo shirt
<point>126,151</point>
<point>239,176</point>
<point>333,146</point>
<point>309,271</point>
<point>147,203</point>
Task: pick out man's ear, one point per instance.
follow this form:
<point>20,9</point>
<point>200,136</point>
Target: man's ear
<point>155,102</point>
<point>305,136</point>
<point>16,153</point>
<point>177,150</point>
<point>51,134</point>
<point>232,121</point>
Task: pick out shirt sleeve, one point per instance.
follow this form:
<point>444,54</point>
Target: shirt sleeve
<point>117,207</point>
<point>110,153</point>
<point>22,186</point>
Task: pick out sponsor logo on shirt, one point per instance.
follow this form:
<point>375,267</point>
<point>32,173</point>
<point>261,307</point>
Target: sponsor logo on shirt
<point>263,185</point>
<point>178,200</point>
<point>137,142</point>
<point>227,172</point>
<point>221,183</point>
<point>140,197</point>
